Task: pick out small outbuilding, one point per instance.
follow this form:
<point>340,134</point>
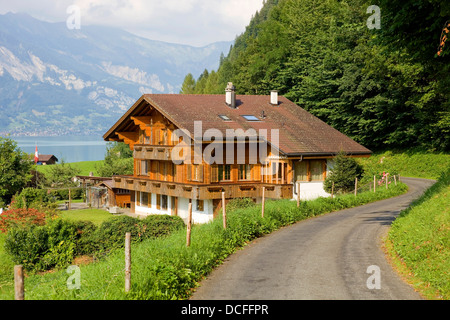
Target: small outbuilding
<point>47,159</point>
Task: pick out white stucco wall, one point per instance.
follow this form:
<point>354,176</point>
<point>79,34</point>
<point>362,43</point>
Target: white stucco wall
<point>314,189</point>
<point>182,211</point>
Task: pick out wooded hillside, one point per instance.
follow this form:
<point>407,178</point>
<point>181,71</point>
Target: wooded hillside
<point>385,88</point>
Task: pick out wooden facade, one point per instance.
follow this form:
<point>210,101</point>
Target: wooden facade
<point>171,170</point>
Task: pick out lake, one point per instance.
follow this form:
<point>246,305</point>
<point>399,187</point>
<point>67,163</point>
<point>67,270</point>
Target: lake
<point>67,148</point>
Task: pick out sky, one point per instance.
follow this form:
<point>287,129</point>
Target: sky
<point>192,22</point>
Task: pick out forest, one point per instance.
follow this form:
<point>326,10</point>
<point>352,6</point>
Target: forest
<point>386,87</point>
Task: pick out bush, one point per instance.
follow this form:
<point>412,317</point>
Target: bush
<point>344,172</point>
<point>21,218</point>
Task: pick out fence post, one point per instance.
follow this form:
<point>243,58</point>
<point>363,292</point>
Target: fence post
<point>387,178</point>
<point>70,199</point>
<point>127,261</point>
<point>374,183</point>
<point>188,233</point>
<point>395,179</point>
<point>298,194</point>
<point>18,283</point>
<point>263,200</point>
<point>356,186</point>
<point>224,211</point>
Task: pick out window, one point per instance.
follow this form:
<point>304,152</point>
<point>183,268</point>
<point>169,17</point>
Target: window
<point>144,199</point>
<point>245,171</point>
<point>199,205</point>
<point>164,202</point>
<point>317,170</point>
<point>301,171</point>
<point>224,172</point>
<point>250,118</point>
<point>144,168</point>
<point>224,117</point>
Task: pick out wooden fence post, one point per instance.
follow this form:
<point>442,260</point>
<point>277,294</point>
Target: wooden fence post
<point>387,178</point>
<point>263,200</point>
<point>356,186</point>
<point>298,194</point>
<point>70,200</point>
<point>395,179</point>
<point>188,233</point>
<point>224,210</point>
<point>18,283</point>
<point>127,261</point>
<point>374,183</point>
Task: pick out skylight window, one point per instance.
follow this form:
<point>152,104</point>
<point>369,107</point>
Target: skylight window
<point>224,117</point>
<point>250,118</point>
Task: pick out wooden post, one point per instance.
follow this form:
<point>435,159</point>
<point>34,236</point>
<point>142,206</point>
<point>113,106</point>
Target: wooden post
<point>374,183</point>
<point>387,178</point>
<point>395,179</point>
<point>332,190</point>
<point>356,186</point>
<point>189,223</point>
<point>263,200</point>
<point>127,261</point>
<point>18,283</point>
<point>298,194</point>
<point>224,211</point>
<point>70,200</point>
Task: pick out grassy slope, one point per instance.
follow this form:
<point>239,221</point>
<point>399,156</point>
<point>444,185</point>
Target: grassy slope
<point>408,164</point>
<point>84,167</point>
<point>419,242</point>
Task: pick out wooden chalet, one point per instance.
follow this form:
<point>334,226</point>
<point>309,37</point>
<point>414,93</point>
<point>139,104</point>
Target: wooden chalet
<point>47,159</point>
<point>173,169</point>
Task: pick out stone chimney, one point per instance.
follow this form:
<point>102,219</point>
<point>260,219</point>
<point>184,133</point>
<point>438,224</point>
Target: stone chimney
<point>230,95</point>
<point>274,97</point>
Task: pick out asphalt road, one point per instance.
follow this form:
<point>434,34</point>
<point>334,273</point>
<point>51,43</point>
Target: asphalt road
<point>336,256</point>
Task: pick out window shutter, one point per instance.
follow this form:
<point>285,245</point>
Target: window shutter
<point>200,174</point>
<point>189,172</point>
<point>214,173</point>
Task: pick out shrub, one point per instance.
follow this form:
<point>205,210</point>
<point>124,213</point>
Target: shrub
<point>42,247</point>
<point>240,203</point>
<point>15,218</point>
<point>344,172</point>
<point>159,225</point>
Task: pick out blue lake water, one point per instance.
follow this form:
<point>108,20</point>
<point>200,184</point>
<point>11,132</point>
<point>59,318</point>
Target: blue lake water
<point>67,148</point>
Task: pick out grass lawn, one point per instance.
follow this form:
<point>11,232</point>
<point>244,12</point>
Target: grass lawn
<point>419,242</point>
<point>97,216</point>
<point>84,167</point>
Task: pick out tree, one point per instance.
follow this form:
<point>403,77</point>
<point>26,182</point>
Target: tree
<point>15,167</point>
<point>188,86</point>
<point>118,160</point>
<point>61,175</point>
<point>343,174</point>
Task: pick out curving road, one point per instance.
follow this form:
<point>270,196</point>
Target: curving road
<point>326,257</point>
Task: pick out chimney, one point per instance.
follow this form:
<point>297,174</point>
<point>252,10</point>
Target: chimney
<point>274,97</point>
<point>230,95</point>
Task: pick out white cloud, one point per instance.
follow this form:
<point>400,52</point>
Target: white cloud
<point>195,22</point>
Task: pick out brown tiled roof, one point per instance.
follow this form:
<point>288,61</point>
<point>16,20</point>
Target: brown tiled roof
<point>300,133</point>
<point>46,157</point>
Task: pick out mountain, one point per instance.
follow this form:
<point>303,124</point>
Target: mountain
<point>59,81</point>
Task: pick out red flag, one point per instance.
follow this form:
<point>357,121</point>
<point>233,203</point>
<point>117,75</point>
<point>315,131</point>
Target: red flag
<point>36,156</point>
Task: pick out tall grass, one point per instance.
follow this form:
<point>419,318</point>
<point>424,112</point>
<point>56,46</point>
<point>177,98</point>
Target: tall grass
<point>413,164</point>
<point>164,268</point>
<point>419,241</point>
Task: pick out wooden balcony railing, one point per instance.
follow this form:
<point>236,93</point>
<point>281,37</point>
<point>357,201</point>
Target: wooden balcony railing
<point>204,191</point>
<point>152,152</point>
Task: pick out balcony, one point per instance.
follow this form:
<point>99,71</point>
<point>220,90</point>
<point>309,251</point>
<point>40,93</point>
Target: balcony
<point>204,191</point>
<point>152,152</point>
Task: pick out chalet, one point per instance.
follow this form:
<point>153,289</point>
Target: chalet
<point>46,159</point>
<point>191,148</point>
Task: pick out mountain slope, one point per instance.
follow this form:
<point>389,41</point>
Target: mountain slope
<point>56,81</point>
